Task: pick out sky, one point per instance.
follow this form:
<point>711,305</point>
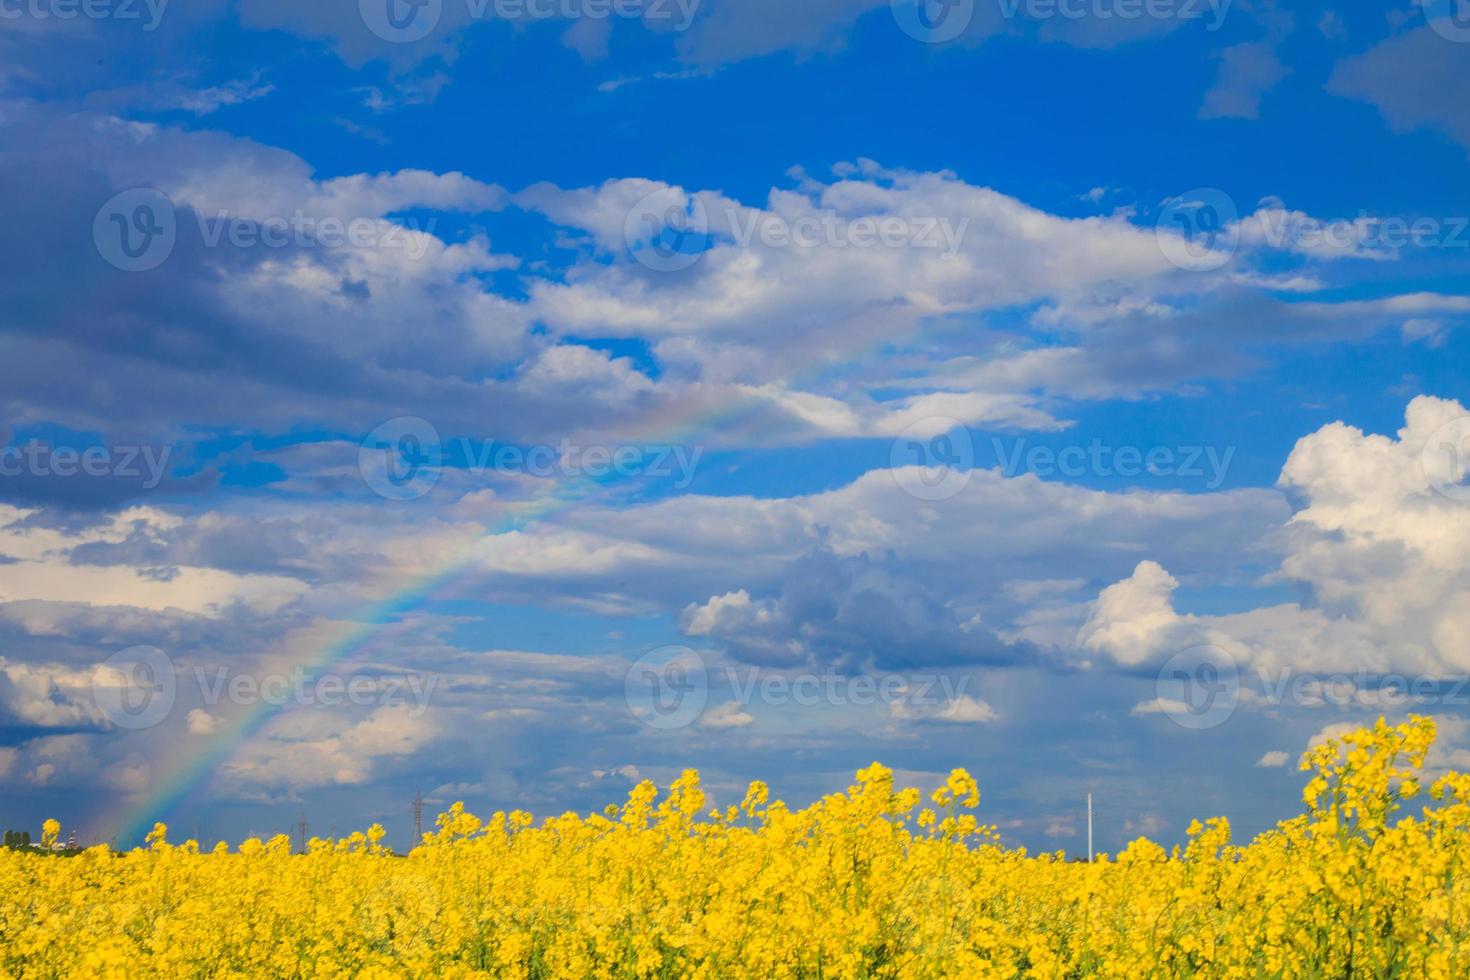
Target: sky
<point>509,401</point>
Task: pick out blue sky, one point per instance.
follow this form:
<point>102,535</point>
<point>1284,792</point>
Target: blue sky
<point>1079,399</point>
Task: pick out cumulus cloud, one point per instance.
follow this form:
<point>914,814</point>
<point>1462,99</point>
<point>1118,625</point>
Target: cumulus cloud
<point>38,700</point>
<point>1134,619</point>
<point>1016,313</point>
<point>976,249</point>
<point>1113,316</point>
<point>861,576</point>
<point>43,570</point>
<point>1379,541</point>
<point>316,750</point>
<point>847,613</point>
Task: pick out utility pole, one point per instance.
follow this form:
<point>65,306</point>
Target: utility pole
<point>1089,828</point>
<point>302,828</point>
<point>418,820</point>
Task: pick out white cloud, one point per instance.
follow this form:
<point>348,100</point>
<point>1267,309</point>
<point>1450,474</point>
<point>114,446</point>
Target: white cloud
<point>1433,334</point>
<point>862,571</point>
<point>49,567</point>
<point>1415,79</point>
<point>735,337</point>
<point>39,698</point>
<point>1273,760</point>
<point>202,102</point>
<point>806,297</point>
<point>1160,706</point>
<point>315,749</point>
<point>1247,72</point>
<point>1060,827</point>
<point>1383,549</point>
<point>726,716</point>
<point>1134,619</point>
<point>739,29</point>
<point>1274,226</point>
<point>962,709</point>
<point>720,613</point>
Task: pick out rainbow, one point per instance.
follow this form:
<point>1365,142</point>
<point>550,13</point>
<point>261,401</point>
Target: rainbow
<point>192,763</point>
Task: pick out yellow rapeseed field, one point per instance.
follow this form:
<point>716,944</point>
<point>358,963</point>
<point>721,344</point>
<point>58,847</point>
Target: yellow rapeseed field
<point>873,882</point>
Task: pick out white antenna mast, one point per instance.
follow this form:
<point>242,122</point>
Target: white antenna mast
<point>1089,828</point>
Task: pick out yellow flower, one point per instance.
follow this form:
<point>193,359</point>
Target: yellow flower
<point>854,885</point>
